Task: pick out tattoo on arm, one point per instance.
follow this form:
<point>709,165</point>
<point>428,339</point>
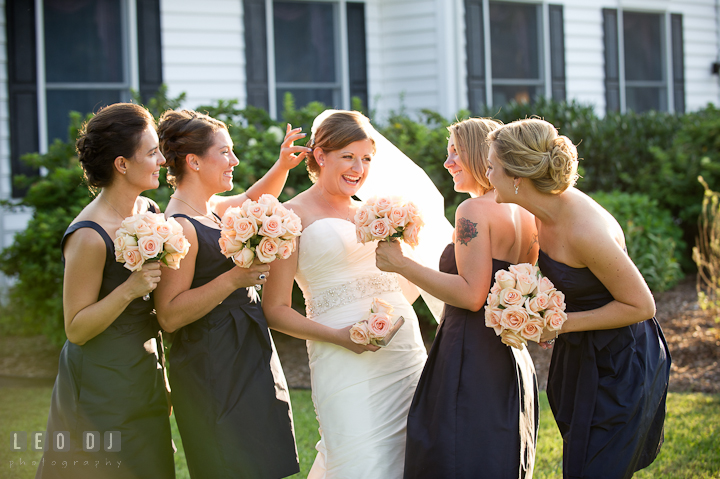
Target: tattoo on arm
<point>534,240</point>
<point>465,230</point>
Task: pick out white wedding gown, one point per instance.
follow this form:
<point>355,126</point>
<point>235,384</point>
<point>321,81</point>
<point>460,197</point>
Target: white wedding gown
<point>361,400</point>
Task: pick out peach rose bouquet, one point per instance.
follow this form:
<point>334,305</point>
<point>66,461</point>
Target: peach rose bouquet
<point>378,328</point>
<point>522,303</point>
<point>388,217</point>
<point>147,237</point>
<point>262,229</point>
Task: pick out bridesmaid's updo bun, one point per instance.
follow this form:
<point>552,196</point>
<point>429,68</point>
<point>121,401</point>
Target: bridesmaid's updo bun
<point>114,131</point>
<point>182,133</point>
<point>533,149</point>
<point>336,131</point>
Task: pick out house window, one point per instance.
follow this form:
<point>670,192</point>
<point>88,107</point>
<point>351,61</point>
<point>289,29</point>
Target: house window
<point>643,61</point>
<point>313,50</point>
<point>515,52</point>
<point>74,55</point>
<point>86,57</point>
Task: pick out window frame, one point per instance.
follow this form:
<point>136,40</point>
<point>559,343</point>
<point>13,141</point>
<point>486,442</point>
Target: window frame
<point>130,58</point>
<point>666,53</point>
<point>342,54</point>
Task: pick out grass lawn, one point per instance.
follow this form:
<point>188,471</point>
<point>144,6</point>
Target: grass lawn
<point>691,449</point>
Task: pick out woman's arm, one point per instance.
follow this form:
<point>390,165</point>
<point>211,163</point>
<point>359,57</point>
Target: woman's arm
<point>274,180</point>
<point>633,302</point>
<point>277,306</point>
<point>177,304</point>
<point>85,317</point>
<point>469,288</point>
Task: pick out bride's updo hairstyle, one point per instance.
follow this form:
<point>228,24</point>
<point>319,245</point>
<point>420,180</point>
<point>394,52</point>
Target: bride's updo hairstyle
<point>337,131</point>
<point>472,147</point>
<point>114,131</point>
<point>182,133</point>
<point>533,149</point>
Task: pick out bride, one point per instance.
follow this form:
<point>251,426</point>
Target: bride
<point>361,400</point>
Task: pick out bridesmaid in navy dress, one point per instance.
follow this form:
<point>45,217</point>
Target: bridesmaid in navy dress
<point>475,409</point>
<point>108,374</point>
<point>229,392</point>
<point>609,371</point>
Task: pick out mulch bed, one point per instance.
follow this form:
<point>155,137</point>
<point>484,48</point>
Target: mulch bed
<point>692,334</point>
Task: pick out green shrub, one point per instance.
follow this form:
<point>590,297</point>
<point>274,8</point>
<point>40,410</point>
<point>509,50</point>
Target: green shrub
<point>653,240</point>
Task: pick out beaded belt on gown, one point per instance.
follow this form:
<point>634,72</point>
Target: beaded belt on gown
<point>345,293</point>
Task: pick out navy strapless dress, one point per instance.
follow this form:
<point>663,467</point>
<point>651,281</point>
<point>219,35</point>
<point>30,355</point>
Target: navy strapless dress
<point>229,393</point>
<point>475,410</point>
<point>113,382</point>
<point>606,388</point>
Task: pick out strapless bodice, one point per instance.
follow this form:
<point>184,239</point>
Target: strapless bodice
<point>333,268</point>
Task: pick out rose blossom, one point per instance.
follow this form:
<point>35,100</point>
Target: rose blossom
<point>285,249</point>
<point>245,228</point>
<point>410,234</point>
<point>493,316</point>
<point>532,331</point>
<point>175,226</point>
<point>523,268</point>
<point>244,258</point>
<point>363,234</point>
<point>526,283</point>
<point>150,246</point>
<point>267,250</point>
<point>173,260</point>
<point>545,285</point>
<point>514,317</point>
<point>229,245</point>
<point>505,279</point>
<point>382,206</point>
<point>272,227</point>
<point>163,230</point>
<point>256,211</point>
<point>269,200</point>
<point>359,333</point>
<point>123,241</point>
<point>177,244</point>
<point>364,215</point>
<point>511,297</point>
<point>539,303</point>
<point>398,216</point>
<point>495,288</point>
<point>554,319</point>
<point>511,338</point>
<point>292,225</point>
<point>378,325</point>
<point>381,229</point>
<point>493,300</point>
<point>381,306</point>
<point>230,217</point>
<point>557,300</point>
<point>132,258</point>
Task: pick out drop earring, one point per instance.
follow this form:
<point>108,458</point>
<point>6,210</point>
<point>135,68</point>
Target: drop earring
<point>516,189</point>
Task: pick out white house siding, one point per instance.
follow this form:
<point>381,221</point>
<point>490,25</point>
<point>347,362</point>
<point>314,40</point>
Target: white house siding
<point>584,49</point>
<point>203,50</point>
<point>404,56</point>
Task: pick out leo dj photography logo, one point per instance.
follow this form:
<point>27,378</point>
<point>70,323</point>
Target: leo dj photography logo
<point>61,441</point>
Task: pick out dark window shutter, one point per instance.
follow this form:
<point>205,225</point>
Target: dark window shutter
<point>356,52</point>
<point>612,63</point>
<point>22,86</point>
<point>678,62</point>
<point>475,55</point>
<point>557,52</point>
<point>149,47</point>
<point>256,67</point>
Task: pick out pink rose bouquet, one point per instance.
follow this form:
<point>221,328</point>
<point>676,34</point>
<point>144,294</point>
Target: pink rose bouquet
<point>378,329</point>
<point>388,217</point>
<point>522,303</point>
<point>262,229</point>
<point>149,237</point>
